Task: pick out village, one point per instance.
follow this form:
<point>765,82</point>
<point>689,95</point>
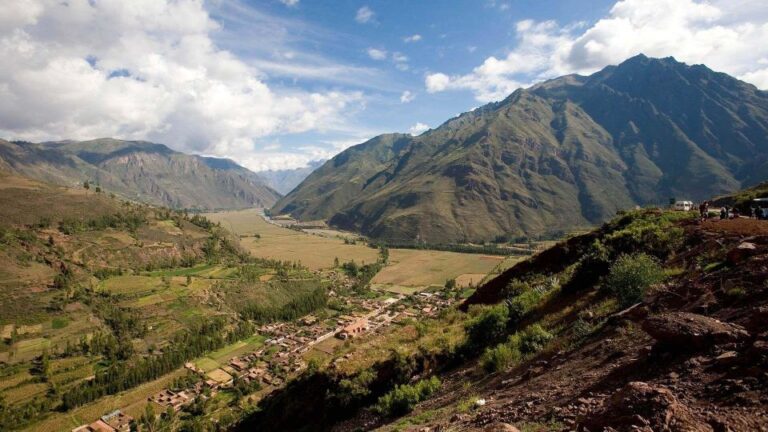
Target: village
<point>283,354</point>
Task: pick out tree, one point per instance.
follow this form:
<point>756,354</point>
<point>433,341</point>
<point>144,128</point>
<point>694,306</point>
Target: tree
<point>189,280</point>
<point>450,284</point>
<point>148,419</point>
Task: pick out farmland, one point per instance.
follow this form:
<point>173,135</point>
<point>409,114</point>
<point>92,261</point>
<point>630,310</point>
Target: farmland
<point>275,242</point>
<point>83,296</point>
<point>423,268</point>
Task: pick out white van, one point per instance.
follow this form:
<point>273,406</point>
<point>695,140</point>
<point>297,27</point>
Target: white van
<point>683,205</point>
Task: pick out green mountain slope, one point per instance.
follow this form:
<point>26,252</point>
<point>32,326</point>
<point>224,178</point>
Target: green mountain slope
<point>563,154</point>
<point>144,171</point>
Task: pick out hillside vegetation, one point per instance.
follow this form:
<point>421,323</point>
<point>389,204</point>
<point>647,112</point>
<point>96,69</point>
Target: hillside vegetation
<point>100,296</point>
<point>141,171</point>
<point>564,154</point>
<point>655,320</point>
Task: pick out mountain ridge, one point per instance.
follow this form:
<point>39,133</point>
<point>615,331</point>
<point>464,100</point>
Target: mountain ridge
<point>563,154</point>
<point>141,170</point>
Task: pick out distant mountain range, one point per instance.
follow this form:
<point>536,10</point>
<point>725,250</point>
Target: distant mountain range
<point>565,153</point>
<point>143,171</point>
<point>286,180</point>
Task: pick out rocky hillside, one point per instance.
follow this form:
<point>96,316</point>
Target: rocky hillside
<point>143,171</point>
<point>566,153</point>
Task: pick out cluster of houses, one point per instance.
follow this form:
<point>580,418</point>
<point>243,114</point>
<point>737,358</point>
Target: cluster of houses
<point>116,421</point>
<point>282,352</point>
<point>178,399</point>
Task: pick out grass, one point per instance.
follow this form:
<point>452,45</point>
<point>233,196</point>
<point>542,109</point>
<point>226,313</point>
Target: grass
<point>206,364</point>
<point>25,392</point>
<point>14,380</point>
<point>421,268</point>
<point>313,251</point>
<point>131,284</point>
<point>182,271</point>
<point>59,323</point>
<point>238,348</point>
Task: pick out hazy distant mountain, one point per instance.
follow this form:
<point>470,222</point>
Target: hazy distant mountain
<point>285,180</point>
<point>566,153</point>
<point>143,171</point>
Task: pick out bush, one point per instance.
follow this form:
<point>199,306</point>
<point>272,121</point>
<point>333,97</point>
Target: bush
<point>631,275</point>
<point>519,346</point>
<point>533,339</point>
<point>489,327</point>
<point>520,305</point>
<point>499,358</point>
<point>403,398</point>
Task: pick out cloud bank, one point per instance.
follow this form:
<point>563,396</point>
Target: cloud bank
<point>144,69</point>
<point>728,36</point>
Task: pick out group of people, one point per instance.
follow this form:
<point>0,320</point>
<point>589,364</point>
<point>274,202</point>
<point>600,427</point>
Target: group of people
<point>727,212</point>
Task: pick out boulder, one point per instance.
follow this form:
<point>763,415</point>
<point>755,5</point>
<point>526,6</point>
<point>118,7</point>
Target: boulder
<point>741,253</point>
<point>501,427</point>
<point>687,331</point>
<point>643,406</point>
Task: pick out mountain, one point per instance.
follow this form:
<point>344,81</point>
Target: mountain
<point>139,170</point>
<point>285,180</point>
<point>562,154</point>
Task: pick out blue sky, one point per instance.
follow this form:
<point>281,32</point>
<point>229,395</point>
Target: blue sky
<point>277,83</point>
<point>411,39</point>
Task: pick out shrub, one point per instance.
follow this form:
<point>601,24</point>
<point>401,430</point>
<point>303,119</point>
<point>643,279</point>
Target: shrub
<point>522,304</point>
<point>489,327</point>
<point>403,398</point>
<point>533,339</point>
<point>499,358</point>
<point>631,275</point>
<point>355,388</point>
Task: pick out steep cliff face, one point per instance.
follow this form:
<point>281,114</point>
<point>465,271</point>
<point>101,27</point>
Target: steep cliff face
<point>566,153</point>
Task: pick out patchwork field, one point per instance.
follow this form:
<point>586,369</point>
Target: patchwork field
<point>275,242</point>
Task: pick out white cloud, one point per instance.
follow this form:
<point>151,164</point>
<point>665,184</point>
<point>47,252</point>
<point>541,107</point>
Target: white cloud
<point>407,97</point>
<point>437,82</point>
<point>290,3</point>
<point>377,54</point>
<point>418,129</point>
<point>364,15</point>
<point>412,38</point>
<point>144,69</point>
<point>725,36</point>
<point>398,57</point>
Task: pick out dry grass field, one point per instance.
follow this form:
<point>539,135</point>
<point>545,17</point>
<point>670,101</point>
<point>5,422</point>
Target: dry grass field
<point>422,268</point>
<point>314,251</point>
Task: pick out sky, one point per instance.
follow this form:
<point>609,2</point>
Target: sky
<point>274,84</point>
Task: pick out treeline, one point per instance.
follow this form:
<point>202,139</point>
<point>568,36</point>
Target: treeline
<point>295,308</point>
<point>488,249</point>
<point>129,220</point>
<point>207,336</point>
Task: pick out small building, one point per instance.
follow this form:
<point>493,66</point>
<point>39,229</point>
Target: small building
<point>683,205</point>
<point>354,329</point>
<point>118,420</point>
<point>238,364</point>
<point>97,426</point>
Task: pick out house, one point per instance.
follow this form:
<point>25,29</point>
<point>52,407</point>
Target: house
<point>356,328</point>
<point>238,364</point>
<point>683,205</point>
<point>97,426</point>
<point>118,421</point>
